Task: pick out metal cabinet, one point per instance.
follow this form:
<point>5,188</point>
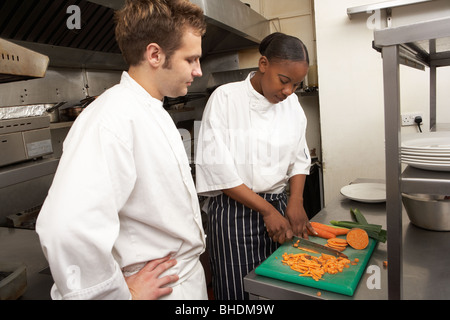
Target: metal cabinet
<point>422,45</point>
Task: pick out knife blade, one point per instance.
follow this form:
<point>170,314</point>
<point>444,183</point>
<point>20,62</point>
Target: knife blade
<point>310,245</point>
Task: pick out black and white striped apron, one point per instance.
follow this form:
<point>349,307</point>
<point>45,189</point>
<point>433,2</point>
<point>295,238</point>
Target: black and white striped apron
<point>237,242</point>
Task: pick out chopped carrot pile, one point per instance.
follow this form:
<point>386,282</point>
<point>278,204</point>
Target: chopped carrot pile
<point>315,267</point>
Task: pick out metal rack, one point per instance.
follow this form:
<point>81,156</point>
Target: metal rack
<point>425,44</point>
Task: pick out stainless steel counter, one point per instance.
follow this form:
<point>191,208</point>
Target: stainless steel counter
<point>426,257</point>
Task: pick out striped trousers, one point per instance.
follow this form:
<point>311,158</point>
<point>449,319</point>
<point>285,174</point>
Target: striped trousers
<point>237,243</point>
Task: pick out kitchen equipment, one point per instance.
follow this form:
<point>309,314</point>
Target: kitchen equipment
<point>430,212</point>
<point>18,63</point>
<point>71,113</point>
<point>25,219</point>
<point>86,101</point>
<point>13,280</point>
<point>343,282</point>
<point>24,138</point>
<point>365,192</point>
<point>53,111</point>
<point>310,245</point>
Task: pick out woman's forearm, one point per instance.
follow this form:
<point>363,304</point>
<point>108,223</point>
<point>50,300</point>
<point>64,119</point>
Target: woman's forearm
<point>296,187</point>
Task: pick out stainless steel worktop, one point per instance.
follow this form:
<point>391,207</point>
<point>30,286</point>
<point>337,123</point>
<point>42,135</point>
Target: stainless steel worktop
<point>426,257</point>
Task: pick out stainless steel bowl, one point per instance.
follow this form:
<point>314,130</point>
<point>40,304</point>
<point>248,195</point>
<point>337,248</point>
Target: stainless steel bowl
<point>430,212</point>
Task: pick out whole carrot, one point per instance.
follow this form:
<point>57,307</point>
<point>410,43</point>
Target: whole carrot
<point>331,229</point>
<point>324,233</point>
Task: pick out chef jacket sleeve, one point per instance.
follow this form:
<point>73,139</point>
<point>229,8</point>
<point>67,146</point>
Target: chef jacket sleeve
<point>302,160</point>
<point>79,221</point>
<point>215,165</point>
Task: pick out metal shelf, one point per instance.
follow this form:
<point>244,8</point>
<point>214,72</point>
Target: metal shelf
<point>382,5</point>
<point>428,44</point>
<point>424,181</point>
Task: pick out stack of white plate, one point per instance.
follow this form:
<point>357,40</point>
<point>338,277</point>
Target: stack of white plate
<point>428,150</point>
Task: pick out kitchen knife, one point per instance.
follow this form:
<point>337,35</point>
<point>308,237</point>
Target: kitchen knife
<point>310,245</point>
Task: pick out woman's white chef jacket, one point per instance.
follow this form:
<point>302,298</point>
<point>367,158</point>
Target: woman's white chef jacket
<point>122,195</point>
<point>245,139</point>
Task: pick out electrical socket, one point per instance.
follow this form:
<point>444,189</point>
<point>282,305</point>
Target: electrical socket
<point>408,118</point>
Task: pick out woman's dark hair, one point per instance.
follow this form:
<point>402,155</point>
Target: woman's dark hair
<point>283,47</point>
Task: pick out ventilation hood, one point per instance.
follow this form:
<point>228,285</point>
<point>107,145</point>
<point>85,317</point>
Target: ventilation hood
<point>232,25</point>
<point>40,25</point>
<point>18,63</point>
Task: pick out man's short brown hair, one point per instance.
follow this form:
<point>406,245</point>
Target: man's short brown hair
<point>141,22</point>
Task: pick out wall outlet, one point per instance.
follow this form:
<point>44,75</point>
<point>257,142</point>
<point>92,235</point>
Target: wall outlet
<point>408,118</point>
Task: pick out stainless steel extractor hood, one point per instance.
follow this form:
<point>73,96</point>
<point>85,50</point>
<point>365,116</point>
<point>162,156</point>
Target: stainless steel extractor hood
<point>18,63</point>
<point>232,25</point>
<point>40,25</point>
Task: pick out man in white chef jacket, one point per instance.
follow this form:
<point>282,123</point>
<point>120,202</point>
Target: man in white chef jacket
<point>122,219</point>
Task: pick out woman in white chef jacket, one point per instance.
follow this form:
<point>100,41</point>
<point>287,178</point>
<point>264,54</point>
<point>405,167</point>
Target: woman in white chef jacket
<point>251,145</point>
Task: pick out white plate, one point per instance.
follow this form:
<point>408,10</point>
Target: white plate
<point>365,192</point>
<point>439,151</point>
<point>427,141</point>
<point>422,153</point>
<point>425,158</point>
<point>424,161</point>
<point>428,166</point>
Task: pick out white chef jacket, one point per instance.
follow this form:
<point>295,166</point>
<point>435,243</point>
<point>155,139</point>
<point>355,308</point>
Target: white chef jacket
<point>123,194</point>
<point>245,139</point>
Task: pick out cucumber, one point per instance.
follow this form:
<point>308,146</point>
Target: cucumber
<point>358,216</point>
<point>352,224</point>
<point>374,231</point>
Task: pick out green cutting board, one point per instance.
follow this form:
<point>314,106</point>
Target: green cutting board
<point>343,282</point>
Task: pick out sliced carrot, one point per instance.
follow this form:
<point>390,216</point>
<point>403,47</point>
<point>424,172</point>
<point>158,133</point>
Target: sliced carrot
<point>338,241</point>
<point>336,231</point>
<point>357,238</point>
<point>336,248</point>
<point>331,244</point>
<point>337,244</point>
